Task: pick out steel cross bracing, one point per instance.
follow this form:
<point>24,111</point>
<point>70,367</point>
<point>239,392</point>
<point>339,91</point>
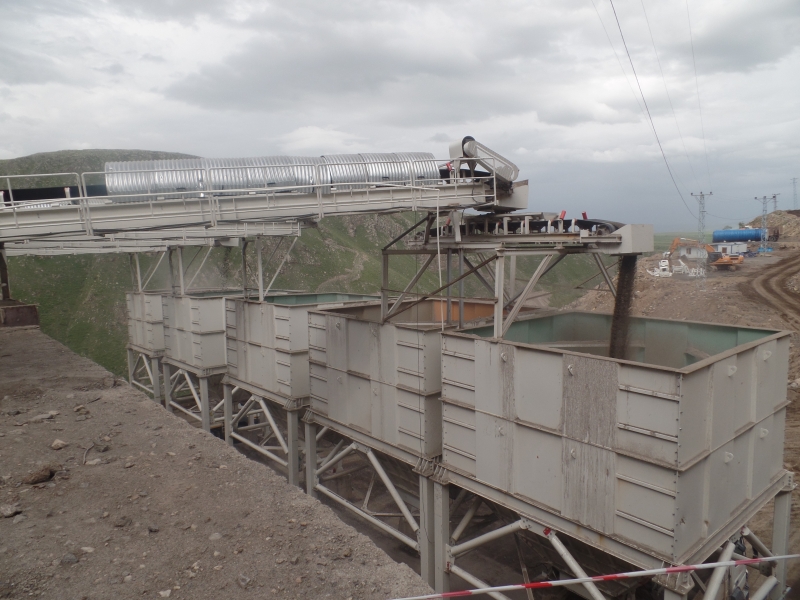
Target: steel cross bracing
<point>503,236</point>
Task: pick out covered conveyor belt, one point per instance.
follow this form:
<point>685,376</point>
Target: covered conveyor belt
<point>202,193</point>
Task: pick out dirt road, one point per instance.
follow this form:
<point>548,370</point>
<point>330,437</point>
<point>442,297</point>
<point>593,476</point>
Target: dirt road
<point>771,286</point>
<point>129,501</point>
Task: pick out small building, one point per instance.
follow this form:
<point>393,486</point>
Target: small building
<point>730,247</point>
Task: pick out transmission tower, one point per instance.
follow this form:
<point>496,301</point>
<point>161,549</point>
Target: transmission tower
<point>702,262</point>
<point>794,193</point>
<point>764,208</point>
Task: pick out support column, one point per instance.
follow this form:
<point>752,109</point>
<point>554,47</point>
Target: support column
<point>180,270</point>
<point>170,251</point>
<point>5,287</point>
<point>441,537</point>
<point>131,359</point>
<point>427,530</point>
<point>205,409</point>
<point>449,275</point>
<point>512,276</point>
<point>227,392</point>
<point>260,267</point>
<point>499,278</point>
<point>167,387</point>
<point>292,439</point>
<point>156,371</point>
<point>461,289</point>
<point>781,522</point>
<point>244,267</point>
<point>311,459</point>
<point>385,286</point>
<point>138,271</point>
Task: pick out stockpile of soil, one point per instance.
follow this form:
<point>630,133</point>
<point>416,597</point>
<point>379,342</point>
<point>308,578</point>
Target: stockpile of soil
<point>788,220</point>
<point>103,494</point>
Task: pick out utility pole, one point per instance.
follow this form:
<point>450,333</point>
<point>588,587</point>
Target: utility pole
<point>774,202</point>
<point>794,193</point>
<point>702,263</point>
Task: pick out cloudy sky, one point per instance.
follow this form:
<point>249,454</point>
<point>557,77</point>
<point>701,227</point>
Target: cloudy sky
<point>548,83</point>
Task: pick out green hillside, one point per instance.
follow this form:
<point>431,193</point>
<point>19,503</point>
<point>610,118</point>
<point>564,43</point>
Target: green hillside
<point>82,298</point>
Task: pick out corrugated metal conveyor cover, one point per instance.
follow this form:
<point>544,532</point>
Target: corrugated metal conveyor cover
<point>338,170</point>
<point>152,176</point>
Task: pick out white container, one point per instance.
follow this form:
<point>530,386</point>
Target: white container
<point>668,451</point>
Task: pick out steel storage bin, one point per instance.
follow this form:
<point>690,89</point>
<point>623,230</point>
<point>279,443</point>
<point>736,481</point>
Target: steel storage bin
<point>145,321</point>
<point>665,451</point>
<point>194,330</point>
<point>267,342</point>
<point>382,380</point>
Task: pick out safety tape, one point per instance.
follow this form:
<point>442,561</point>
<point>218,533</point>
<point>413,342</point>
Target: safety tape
<point>596,578</point>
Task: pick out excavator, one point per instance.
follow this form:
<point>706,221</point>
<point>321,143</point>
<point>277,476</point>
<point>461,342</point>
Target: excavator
<point>715,260</point>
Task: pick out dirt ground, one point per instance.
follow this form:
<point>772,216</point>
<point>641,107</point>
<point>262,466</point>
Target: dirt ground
<point>758,294</point>
<point>139,504</point>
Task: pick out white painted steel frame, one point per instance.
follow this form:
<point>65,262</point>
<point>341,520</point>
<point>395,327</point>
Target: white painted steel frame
<point>257,406</point>
<point>141,364</point>
<point>369,447</point>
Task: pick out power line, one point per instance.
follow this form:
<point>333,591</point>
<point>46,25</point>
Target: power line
<point>624,72</point>
<point>697,86</point>
<point>649,116</point>
<point>672,108</point>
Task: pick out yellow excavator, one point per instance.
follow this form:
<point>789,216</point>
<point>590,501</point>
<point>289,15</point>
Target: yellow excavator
<point>715,260</point>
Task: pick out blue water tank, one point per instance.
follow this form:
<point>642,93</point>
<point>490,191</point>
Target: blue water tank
<point>737,235</point>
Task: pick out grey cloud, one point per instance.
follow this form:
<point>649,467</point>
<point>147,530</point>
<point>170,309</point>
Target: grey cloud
<point>112,69</point>
<point>27,67</point>
<point>171,10</point>
<point>441,138</point>
<point>153,58</point>
<point>742,38</point>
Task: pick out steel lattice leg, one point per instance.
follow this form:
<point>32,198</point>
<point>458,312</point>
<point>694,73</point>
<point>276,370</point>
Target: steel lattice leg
<point>205,409</point>
<point>441,537</point>
<point>311,459</point>
<point>227,392</point>
<point>155,369</point>
<point>293,437</point>
<point>427,531</point>
<point>781,522</point>
<point>167,387</point>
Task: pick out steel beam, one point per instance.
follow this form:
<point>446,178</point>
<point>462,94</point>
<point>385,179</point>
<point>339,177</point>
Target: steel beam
<point>311,459</point>
<point>714,582</point>
<point>576,569</point>
<point>441,536</point>
<point>427,531</point>
<point>781,523</point>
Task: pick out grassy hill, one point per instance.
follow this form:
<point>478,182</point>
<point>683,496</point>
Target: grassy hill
<point>82,298</point>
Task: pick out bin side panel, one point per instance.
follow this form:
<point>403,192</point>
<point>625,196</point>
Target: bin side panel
<point>458,444</point>
<point>590,399</point>
<point>537,466</point>
<point>589,485</point>
<point>695,415</point>
<point>538,385</point>
<point>493,449</point>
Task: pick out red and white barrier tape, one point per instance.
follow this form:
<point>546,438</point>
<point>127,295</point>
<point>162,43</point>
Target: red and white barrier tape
<point>596,578</point>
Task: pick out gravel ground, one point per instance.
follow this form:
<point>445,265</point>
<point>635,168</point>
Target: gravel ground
<point>159,509</point>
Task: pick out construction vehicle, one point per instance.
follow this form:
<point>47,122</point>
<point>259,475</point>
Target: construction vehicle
<point>692,249</point>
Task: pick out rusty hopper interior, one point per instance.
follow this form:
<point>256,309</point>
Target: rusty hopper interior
<point>660,457</point>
